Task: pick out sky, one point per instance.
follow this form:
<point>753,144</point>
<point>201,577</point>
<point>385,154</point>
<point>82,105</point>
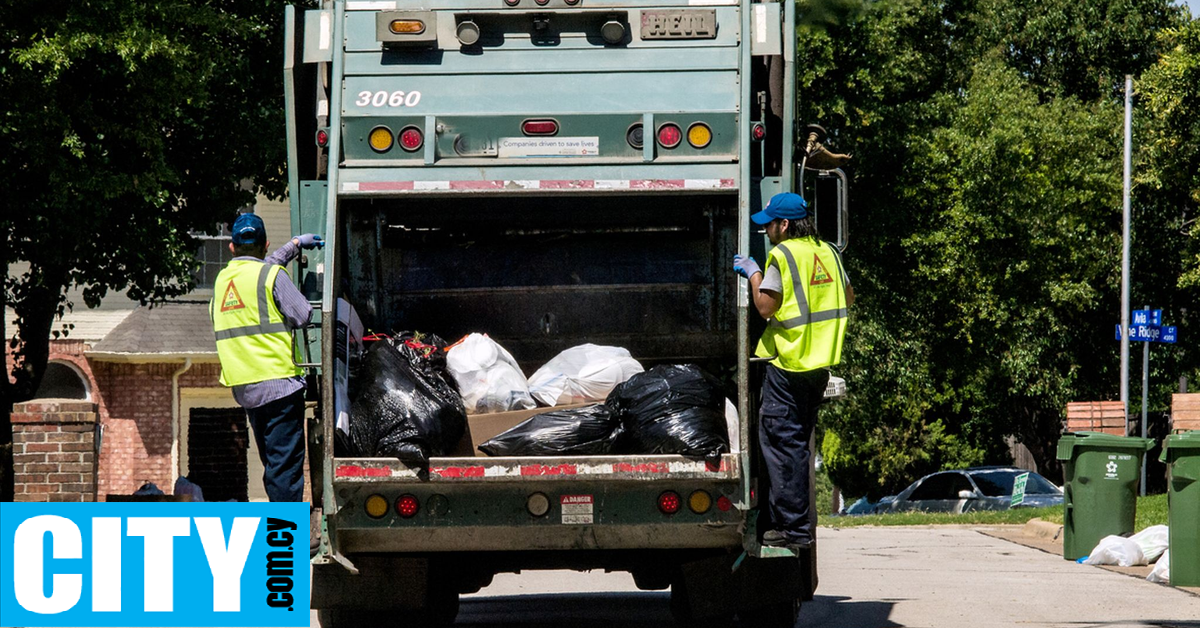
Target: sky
<point>1195,5</point>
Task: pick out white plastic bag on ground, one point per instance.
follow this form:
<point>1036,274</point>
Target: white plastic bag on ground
<point>488,377</point>
<point>582,374</point>
<point>1162,569</point>
<point>1116,550</point>
<point>1152,541</point>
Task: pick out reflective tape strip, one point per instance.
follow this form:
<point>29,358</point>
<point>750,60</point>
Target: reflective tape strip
<point>251,330</point>
<point>528,184</point>
<point>264,326</point>
<point>797,292</point>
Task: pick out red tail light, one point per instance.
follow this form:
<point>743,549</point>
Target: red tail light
<point>322,138</point>
<point>668,502</point>
<point>539,127</point>
<point>669,136</point>
<point>723,504</point>
<point>411,138</point>
<point>407,506</point>
<point>758,131</point>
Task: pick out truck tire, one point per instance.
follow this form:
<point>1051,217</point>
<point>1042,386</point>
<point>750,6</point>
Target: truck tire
<point>776,615</point>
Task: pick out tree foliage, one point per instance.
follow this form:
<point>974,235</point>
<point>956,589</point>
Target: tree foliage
<point>987,195</point>
<point>127,126</point>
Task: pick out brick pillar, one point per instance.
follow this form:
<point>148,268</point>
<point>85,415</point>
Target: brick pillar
<point>54,450</point>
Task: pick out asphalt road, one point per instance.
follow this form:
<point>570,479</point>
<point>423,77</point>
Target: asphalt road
<point>873,578</point>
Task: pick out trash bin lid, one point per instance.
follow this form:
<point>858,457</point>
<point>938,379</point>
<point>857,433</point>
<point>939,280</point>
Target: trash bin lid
<point>1099,440</point>
<point>1185,443</point>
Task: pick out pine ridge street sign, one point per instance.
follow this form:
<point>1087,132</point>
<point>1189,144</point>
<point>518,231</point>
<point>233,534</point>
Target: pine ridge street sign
<point>1151,333</point>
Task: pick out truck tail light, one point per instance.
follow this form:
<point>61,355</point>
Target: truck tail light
<point>539,127</point>
<point>538,504</point>
<point>411,138</point>
<point>758,131</point>
<point>406,27</point>
<point>512,3</point>
<point>669,136</point>
<point>724,504</point>
<point>407,506</point>
<point>699,135</point>
<point>700,502</point>
<point>376,506</point>
<point>635,136</point>
<point>380,139</point>
<point>322,138</point>
<point>668,502</point>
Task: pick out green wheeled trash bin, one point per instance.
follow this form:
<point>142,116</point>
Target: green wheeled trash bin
<point>1100,488</point>
<point>1181,452</point>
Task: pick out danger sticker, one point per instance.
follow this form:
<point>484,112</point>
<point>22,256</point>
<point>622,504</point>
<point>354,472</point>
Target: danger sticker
<point>577,509</point>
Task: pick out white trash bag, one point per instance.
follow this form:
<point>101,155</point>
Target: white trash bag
<point>1152,541</point>
<point>1162,569</point>
<point>488,377</point>
<point>1116,550</point>
<point>582,374</point>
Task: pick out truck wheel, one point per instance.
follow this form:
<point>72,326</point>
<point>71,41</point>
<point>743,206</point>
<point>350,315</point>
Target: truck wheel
<point>441,609</point>
<point>777,615</point>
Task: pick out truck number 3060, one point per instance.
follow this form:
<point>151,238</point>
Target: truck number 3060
<point>393,99</point>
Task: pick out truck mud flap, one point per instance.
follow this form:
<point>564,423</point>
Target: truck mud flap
<point>715,588</point>
<point>382,583</point>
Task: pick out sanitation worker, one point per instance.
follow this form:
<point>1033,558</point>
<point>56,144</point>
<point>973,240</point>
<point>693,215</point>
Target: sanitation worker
<point>254,306</point>
<point>803,295</point>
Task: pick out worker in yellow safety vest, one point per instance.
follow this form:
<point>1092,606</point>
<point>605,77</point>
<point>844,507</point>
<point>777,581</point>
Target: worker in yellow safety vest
<point>255,306</point>
<point>804,296</point>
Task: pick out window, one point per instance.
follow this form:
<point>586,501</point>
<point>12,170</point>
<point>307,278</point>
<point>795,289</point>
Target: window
<point>942,486</point>
<point>213,255</point>
<point>1000,483</point>
<point>62,381</point>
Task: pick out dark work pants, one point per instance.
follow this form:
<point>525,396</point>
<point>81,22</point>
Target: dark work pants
<point>279,434</point>
<point>785,425</point>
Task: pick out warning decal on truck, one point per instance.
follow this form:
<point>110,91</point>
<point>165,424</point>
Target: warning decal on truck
<point>577,509</point>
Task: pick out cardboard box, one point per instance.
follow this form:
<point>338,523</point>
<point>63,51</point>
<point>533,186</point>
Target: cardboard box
<point>481,427</point>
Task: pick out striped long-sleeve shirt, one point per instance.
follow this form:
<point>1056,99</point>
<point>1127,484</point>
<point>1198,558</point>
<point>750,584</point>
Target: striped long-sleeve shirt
<point>296,313</point>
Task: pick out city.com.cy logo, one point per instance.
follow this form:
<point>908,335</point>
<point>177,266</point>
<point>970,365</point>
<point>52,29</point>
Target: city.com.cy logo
<point>154,564</point>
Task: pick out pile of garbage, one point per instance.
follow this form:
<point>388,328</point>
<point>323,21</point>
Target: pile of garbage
<point>411,394</point>
<point>1144,548</point>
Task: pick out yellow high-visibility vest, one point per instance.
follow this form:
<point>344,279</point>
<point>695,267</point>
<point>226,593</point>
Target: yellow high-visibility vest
<point>807,331</point>
<point>253,342</point>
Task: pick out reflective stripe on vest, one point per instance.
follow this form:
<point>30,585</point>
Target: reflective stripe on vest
<point>253,342</point>
<point>803,336</point>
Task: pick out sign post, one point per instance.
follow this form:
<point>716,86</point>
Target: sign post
<point>1146,326</point>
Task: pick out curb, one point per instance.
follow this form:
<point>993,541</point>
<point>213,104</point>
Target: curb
<point>1043,529</point>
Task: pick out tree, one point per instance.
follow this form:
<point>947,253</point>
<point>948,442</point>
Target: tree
<point>127,126</point>
<point>986,191</point>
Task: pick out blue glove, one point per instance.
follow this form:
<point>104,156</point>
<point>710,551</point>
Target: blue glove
<point>310,241</point>
<point>745,266</point>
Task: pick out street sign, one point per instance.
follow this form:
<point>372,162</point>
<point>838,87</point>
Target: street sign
<point>1169,334</point>
<point>1018,494</point>
<point>1146,317</point>
<point>1141,333</point>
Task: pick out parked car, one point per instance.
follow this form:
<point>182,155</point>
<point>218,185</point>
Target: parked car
<point>966,490</point>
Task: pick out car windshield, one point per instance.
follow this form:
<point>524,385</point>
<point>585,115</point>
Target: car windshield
<point>999,483</point>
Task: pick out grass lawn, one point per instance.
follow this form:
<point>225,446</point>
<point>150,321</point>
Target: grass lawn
<point>1151,510</point>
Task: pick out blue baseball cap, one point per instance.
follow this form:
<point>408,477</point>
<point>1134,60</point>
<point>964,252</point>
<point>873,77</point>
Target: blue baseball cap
<point>784,205</point>
<point>249,229</point>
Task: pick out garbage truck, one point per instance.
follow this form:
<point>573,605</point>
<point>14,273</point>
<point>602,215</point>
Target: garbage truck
<point>551,173</point>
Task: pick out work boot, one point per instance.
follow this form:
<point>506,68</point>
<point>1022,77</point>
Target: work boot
<point>774,538</point>
<point>314,532</point>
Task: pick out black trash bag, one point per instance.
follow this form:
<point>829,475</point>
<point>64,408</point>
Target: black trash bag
<point>587,431</point>
<point>672,409</point>
<point>406,406</point>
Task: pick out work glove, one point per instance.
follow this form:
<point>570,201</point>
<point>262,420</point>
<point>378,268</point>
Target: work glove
<point>745,266</point>
<point>310,241</point>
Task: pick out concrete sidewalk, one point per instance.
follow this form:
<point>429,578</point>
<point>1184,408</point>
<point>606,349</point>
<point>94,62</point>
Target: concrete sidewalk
<point>955,577</point>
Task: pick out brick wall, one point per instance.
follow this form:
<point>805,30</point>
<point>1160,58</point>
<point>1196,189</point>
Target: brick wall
<point>54,450</point>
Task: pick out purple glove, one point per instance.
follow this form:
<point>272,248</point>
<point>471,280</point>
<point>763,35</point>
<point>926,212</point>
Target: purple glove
<point>310,241</point>
<point>745,266</point>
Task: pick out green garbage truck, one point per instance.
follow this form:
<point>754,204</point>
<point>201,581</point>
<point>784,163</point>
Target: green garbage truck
<point>548,172</point>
